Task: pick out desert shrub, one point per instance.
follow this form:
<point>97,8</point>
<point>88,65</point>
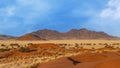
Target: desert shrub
<point>81,44</point>
<point>107,46</point>
<point>34,65</point>
<point>118,51</point>
<point>76,44</point>
<point>89,44</point>
<point>60,44</point>
<point>104,51</point>
<point>15,45</point>
<point>64,44</point>
<point>3,50</point>
<point>2,44</point>
<point>94,44</point>
<point>117,47</point>
<point>1,57</point>
<point>93,48</point>
<point>117,43</point>
<point>30,43</point>
<point>23,49</point>
<point>113,43</point>
<point>100,44</point>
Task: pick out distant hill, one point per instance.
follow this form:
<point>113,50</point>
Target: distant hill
<point>30,36</point>
<point>5,37</point>
<point>72,34</point>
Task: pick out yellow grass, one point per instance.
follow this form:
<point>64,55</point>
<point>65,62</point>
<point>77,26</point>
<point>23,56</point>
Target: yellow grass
<point>23,43</point>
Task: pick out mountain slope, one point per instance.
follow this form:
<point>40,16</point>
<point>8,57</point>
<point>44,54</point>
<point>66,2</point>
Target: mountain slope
<point>72,34</point>
<point>5,37</point>
<point>29,36</point>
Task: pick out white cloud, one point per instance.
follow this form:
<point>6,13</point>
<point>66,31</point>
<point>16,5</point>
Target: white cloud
<point>108,20</point>
<point>112,10</point>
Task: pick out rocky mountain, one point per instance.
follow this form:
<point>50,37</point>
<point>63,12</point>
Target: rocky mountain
<point>5,37</point>
<point>72,34</point>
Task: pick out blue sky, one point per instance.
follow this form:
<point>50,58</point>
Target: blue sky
<point>18,17</point>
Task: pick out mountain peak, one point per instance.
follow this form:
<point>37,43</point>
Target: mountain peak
<point>84,29</point>
<point>30,36</point>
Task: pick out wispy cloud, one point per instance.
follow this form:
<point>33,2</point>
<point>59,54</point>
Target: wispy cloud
<point>112,10</point>
<point>22,14</point>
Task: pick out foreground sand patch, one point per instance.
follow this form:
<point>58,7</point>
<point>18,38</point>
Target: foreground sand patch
<point>90,57</point>
<point>110,64</point>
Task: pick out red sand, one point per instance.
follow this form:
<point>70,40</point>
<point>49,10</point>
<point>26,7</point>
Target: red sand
<point>109,64</point>
<point>108,60</point>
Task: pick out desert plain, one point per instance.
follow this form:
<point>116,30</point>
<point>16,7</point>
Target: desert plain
<point>60,54</point>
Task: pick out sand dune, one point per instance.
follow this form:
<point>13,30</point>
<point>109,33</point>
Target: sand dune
<point>108,60</point>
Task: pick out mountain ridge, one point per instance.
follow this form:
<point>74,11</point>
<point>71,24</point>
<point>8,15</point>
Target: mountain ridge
<point>73,34</point>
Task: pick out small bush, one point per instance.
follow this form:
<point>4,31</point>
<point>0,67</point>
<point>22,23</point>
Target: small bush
<point>3,50</point>
<point>3,45</point>
<point>34,65</point>
<point>30,43</point>
<point>76,45</point>
<point>15,45</point>
<point>107,46</point>
<point>23,49</point>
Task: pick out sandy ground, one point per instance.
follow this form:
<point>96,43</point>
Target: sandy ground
<point>89,60</point>
<point>109,60</point>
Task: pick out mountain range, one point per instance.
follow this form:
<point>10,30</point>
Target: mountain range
<point>5,37</point>
<point>75,34</point>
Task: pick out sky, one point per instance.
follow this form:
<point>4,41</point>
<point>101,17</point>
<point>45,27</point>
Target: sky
<point>18,17</point>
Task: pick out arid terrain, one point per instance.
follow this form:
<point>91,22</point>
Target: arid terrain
<point>77,48</point>
<point>59,34</point>
<point>60,54</point>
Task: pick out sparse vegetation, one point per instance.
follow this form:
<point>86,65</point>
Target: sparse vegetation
<point>3,50</point>
<point>107,46</point>
<point>30,43</point>
<point>3,45</point>
<point>27,58</point>
<point>24,49</point>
